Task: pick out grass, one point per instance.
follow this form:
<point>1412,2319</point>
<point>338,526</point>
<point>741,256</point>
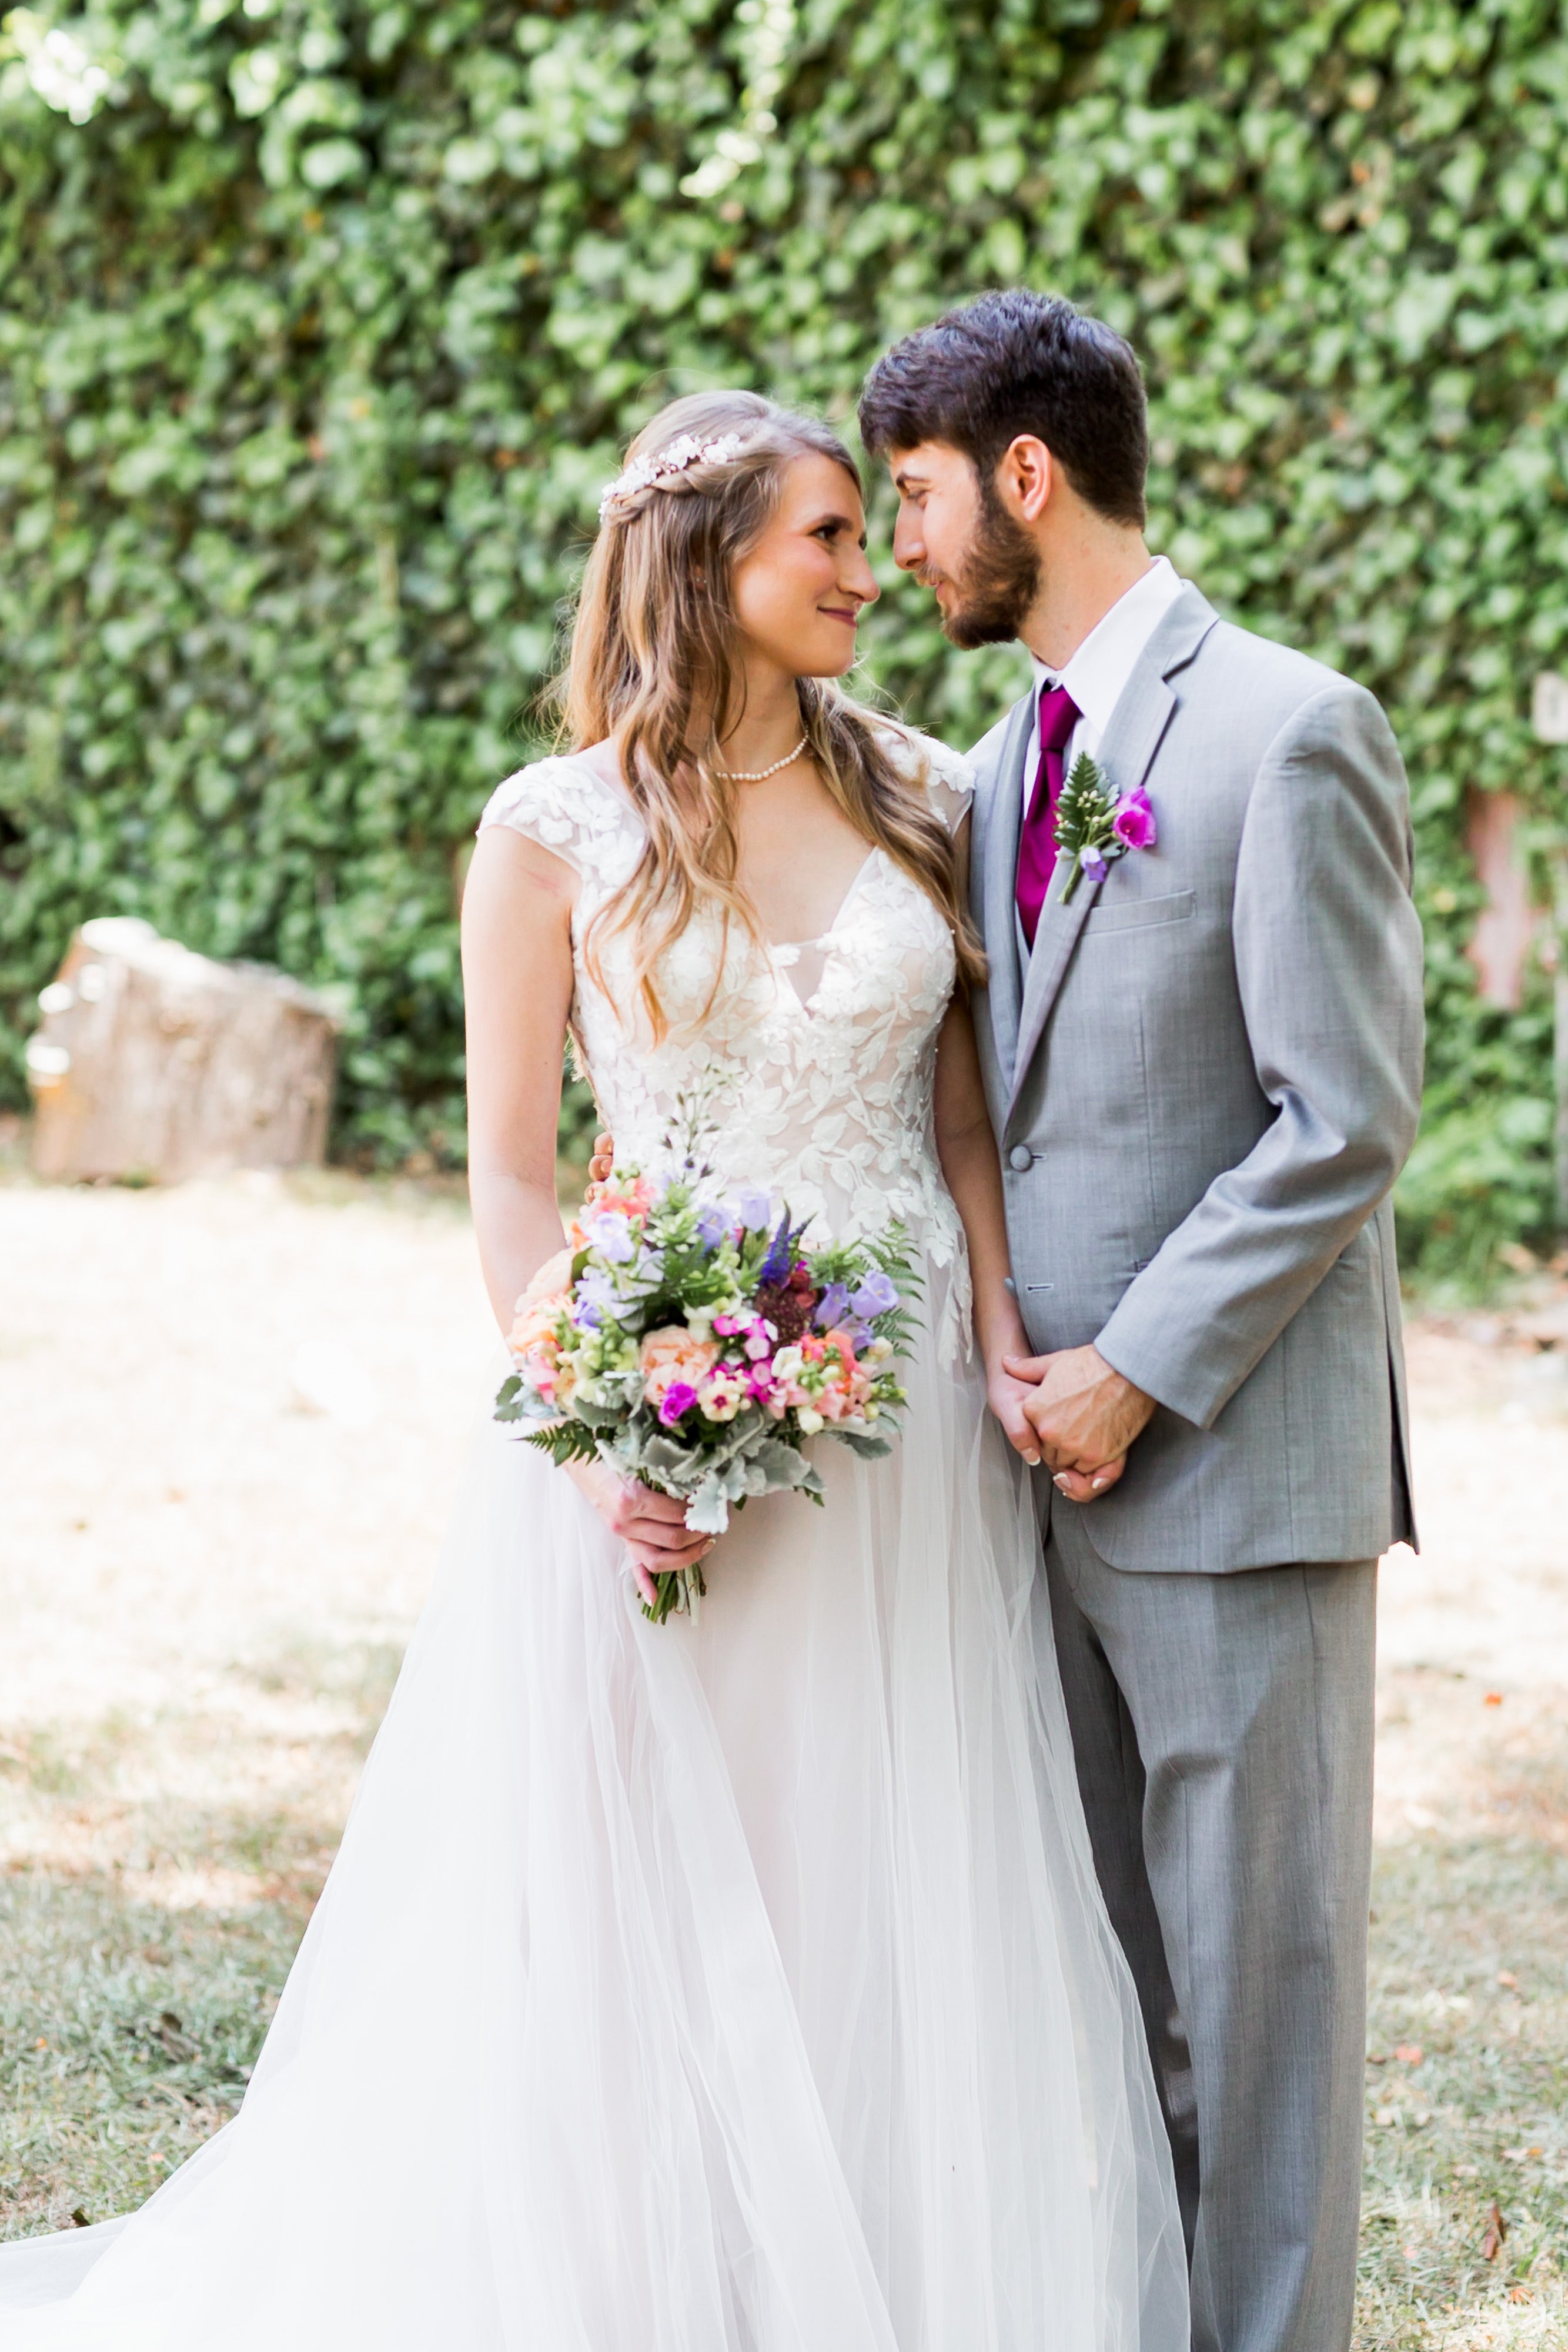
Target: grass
<point>127,2035</point>
<point>1468,2077</point>
<point>171,1862</point>
<point>128,2024</point>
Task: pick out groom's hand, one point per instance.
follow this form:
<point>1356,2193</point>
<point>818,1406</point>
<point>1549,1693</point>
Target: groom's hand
<point>1085,1415</point>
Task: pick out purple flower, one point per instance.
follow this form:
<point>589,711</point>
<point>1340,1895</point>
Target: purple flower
<point>595,1294</point>
<point>679,1398</point>
<point>1133,820</point>
<point>833,1305</point>
<point>755,1209</point>
<point>781,1257</point>
<point>713,1225</point>
<point>1093,865</point>
<point>610,1235</point>
<point>877,1295</point>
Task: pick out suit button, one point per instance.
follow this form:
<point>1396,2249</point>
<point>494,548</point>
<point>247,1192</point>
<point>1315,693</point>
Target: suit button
<point>1020,1158</point>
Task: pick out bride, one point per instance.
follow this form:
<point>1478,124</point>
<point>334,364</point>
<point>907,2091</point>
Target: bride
<point>743,1985</point>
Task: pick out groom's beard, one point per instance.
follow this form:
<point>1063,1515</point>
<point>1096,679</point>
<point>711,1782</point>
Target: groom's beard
<point>1000,580</point>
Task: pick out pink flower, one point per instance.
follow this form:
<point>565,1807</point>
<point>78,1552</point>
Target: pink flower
<point>671,1355</point>
<point>677,1399</point>
<point>633,1200</point>
<point>1133,821</point>
<point>536,1321</point>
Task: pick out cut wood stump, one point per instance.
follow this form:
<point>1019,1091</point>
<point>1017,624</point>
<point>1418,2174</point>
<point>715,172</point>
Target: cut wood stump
<point>156,1063</point>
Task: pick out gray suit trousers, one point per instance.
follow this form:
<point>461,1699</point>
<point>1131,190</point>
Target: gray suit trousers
<point>1223,1732</point>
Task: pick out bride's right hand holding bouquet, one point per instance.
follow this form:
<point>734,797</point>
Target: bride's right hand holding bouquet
<point>693,1345</point>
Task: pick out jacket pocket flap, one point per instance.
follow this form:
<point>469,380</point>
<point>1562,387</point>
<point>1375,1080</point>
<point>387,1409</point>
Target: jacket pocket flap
<point>1128,914</point>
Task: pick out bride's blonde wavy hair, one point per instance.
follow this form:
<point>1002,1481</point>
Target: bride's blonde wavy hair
<point>654,665</point>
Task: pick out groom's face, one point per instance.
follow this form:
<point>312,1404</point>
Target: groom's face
<point>954,534</point>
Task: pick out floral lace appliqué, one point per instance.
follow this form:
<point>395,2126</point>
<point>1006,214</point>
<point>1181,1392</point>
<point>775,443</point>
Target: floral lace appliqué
<point>825,1097</point>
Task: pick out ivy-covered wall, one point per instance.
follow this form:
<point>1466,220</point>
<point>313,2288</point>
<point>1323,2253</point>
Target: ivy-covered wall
<point>323,321</point>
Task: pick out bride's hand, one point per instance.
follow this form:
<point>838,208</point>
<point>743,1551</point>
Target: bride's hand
<point>1006,1396</point>
<point>652,1526</point>
<point>602,1165</point>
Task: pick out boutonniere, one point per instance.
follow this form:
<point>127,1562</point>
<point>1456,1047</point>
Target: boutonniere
<point>1093,827</point>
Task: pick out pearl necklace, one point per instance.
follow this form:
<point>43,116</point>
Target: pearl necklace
<point>760,775</point>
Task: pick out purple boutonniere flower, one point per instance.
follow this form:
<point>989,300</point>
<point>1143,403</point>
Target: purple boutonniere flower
<point>1133,820</point>
<point>1093,865</point>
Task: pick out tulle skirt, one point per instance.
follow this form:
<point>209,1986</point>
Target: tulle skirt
<point>740,1986</point>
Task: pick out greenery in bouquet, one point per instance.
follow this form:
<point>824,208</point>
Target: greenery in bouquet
<point>697,1343</point>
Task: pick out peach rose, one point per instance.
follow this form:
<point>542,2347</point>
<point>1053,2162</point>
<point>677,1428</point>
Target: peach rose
<point>671,1354</point>
<point>535,1322</point>
<point>553,1278</point>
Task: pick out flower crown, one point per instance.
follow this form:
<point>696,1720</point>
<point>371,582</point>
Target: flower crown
<point>684,451</point>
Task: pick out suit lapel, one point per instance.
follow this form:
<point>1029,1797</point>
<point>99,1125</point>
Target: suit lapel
<point>1053,944</point>
<point>1137,724</point>
<point>999,821</point>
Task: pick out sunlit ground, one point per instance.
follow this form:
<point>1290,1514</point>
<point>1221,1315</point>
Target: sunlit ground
<point>232,1417</point>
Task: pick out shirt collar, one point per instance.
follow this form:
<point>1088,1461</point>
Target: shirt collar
<point>1103,663</point>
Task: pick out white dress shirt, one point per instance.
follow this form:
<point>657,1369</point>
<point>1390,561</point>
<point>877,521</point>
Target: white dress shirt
<point>1101,667</point>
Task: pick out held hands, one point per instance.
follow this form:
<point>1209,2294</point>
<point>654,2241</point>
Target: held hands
<point>1083,1416</point>
<point>1068,1409</point>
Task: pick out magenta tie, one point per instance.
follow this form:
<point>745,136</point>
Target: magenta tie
<point>1059,715</point>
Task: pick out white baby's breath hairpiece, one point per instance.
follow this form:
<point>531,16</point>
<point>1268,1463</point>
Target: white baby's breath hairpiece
<point>658,465</point>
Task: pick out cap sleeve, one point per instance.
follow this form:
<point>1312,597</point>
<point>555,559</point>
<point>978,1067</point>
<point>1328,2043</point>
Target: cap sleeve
<point>568,807</point>
<point>949,779</point>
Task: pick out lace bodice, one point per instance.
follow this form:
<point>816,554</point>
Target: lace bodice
<point>815,1061</point>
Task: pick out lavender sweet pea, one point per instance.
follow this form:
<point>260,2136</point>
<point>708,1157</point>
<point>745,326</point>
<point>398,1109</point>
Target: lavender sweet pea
<point>610,1235</point>
<point>832,1306</point>
<point>875,1297</point>
<point>713,1225</point>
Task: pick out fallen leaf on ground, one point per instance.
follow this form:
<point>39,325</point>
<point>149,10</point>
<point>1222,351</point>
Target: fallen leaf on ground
<point>1497,2230</point>
<point>1409,2053</point>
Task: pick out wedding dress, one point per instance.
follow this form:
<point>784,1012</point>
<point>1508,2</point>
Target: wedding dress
<point>740,1986</point>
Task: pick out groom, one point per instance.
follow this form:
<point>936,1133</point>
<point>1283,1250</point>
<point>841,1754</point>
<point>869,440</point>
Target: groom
<point>1203,1059</point>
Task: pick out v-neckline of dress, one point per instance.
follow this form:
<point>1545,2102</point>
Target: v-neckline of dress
<point>782,953</point>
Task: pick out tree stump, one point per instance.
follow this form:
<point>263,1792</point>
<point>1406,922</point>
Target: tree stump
<point>157,1063</point>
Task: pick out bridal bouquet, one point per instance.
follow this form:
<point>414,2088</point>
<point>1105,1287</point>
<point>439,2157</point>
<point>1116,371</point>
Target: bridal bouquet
<point>695,1343</point>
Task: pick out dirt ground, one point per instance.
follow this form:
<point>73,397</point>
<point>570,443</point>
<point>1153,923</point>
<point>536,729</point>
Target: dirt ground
<point>232,1417</point>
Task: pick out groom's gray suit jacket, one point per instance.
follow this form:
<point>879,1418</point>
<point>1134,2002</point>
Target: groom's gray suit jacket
<point>1205,1080</point>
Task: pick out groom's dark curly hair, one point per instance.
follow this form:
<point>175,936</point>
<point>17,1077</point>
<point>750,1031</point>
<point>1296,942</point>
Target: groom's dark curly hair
<point>1016,363</point>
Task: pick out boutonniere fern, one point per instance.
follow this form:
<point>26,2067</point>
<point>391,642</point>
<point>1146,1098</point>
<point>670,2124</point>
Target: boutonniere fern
<point>1093,827</point>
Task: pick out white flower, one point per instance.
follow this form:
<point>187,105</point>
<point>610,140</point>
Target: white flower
<point>786,1364</point>
<point>809,1419</point>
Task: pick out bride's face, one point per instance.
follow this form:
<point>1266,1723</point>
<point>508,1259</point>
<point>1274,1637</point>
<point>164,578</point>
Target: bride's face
<point>799,595</point>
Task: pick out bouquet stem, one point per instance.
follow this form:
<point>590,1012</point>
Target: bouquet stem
<point>676,1593</point>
